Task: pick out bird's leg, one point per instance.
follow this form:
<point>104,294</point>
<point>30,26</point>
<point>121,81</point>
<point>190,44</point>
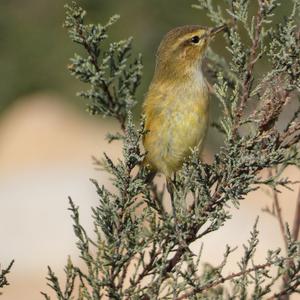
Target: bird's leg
<point>170,188</point>
<point>158,198</point>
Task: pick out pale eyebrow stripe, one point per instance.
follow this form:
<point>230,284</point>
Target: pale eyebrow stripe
<point>202,36</point>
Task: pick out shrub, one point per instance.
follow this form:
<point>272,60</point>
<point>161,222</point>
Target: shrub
<point>139,250</point>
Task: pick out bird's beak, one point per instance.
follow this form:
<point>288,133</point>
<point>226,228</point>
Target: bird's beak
<point>213,31</point>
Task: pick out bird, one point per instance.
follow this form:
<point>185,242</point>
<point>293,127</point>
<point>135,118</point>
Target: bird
<point>176,106</point>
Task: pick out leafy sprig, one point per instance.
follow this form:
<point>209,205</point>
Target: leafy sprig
<point>112,77</point>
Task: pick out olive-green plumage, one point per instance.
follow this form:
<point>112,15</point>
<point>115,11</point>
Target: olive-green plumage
<point>176,105</point>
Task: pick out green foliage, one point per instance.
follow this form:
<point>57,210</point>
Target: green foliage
<point>112,80</point>
<point>139,249</point>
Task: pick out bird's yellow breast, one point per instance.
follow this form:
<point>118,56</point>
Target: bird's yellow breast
<point>176,122</point>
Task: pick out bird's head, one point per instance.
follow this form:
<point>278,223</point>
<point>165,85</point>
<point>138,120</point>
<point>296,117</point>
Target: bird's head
<point>182,49</point>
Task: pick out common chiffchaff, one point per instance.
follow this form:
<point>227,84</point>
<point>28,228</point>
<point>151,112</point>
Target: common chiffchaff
<point>176,105</point>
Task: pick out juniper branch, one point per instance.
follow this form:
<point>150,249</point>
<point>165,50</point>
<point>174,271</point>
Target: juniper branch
<point>132,228</point>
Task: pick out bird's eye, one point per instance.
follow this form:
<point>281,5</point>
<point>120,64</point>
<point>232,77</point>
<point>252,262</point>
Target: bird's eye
<point>195,39</point>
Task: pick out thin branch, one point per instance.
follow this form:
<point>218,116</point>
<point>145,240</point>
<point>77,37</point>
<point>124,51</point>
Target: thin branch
<point>3,273</point>
<point>195,291</point>
<point>278,214</point>
<point>291,136</point>
<point>123,274</point>
<point>154,253</point>
<point>247,84</point>
<point>287,291</point>
<point>296,226</point>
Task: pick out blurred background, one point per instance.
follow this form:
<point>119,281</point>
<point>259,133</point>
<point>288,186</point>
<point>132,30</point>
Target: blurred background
<point>47,139</point>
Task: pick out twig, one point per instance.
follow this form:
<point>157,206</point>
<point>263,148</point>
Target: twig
<point>222,280</point>
<point>247,84</point>
<point>296,225</point>
<point>123,274</point>
<point>154,253</point>
<point>3,273</point>
<point>293,133</point>
<point>287,291</point>
<point>279,217</point>
<point>278,214</point>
